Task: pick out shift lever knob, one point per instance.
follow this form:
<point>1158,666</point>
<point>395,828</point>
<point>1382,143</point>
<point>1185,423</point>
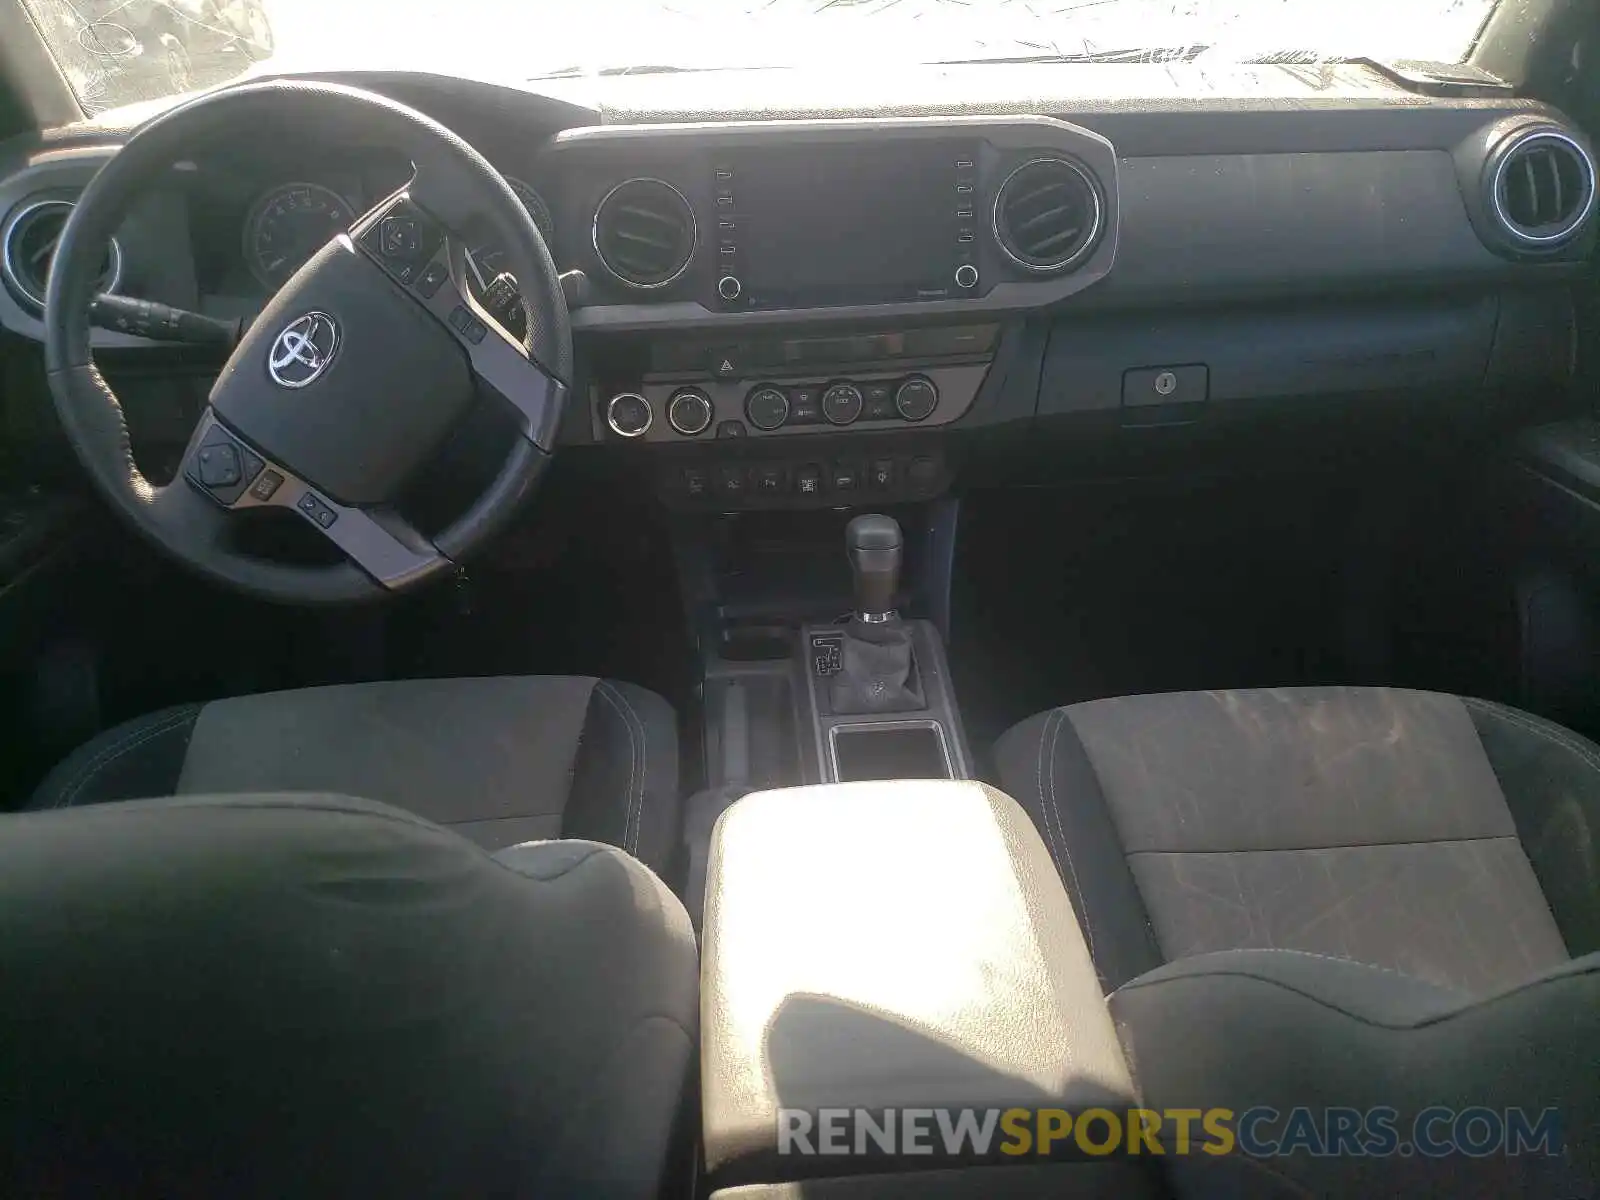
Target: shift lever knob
<point>874,545</point>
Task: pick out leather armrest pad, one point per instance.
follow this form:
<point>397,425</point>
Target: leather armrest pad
<point>877,945</point>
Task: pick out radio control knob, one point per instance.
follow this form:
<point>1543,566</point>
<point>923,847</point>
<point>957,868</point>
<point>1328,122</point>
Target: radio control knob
<point>629,414</point>
<point>841,403</point>
<point>767,408</point>
<point>966,277</point>
<point>916,398</point>
<point>729,287</point>
<point>689,412</point>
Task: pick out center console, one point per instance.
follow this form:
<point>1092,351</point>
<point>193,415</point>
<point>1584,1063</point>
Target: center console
<point>877,951</point>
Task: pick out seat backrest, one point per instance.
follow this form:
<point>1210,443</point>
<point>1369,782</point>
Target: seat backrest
<point>1451,1096</point>
<point>317,995</point>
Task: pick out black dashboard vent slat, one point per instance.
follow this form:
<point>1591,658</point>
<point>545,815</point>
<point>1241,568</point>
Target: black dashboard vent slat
<point>644,232</point>
<point>1048,214</point>
<point>29,247</point>
<point>1542,190</point>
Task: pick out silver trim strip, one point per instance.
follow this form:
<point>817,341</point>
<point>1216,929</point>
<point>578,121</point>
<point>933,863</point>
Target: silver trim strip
<point>867,727</point>
<point>1518,145</point>
<point>114,251</point>
<point>694,234</point>
<point>1094,232</point>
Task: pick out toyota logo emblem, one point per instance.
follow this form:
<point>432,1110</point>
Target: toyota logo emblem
<point>302,352</point>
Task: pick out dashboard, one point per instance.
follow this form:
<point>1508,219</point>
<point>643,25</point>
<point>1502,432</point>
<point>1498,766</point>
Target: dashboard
<point>792,312</point>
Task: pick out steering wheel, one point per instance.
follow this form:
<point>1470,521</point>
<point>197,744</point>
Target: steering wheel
<point>353,373</point>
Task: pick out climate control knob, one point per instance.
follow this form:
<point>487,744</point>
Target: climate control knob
<point>841,403</point>
<point>629,415</point>
<point>689,411</point>
<point>916,398</point>
<point>767,407</point>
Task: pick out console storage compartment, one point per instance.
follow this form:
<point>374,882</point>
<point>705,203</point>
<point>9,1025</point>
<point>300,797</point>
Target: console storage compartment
<point>896,946</point>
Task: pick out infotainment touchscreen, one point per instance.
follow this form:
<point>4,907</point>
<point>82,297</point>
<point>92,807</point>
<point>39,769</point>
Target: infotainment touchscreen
<point>850,224</point>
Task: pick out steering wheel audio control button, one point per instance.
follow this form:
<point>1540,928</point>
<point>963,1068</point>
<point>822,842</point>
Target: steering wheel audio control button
<point>316,510</point>
<point>218,465</point>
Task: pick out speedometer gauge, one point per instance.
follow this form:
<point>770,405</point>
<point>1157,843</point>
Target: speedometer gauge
<point>288,225</point>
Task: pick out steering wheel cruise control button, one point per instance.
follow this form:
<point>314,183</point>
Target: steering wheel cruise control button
<point>841,403</point>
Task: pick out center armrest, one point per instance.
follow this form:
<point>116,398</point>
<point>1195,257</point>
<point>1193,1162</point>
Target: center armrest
<point>889,945</point>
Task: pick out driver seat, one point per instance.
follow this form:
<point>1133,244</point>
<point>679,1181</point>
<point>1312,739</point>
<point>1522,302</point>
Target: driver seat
<point>499,761</point>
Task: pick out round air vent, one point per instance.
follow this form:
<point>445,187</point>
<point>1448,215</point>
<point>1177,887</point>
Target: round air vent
<point>1542,189</point>
<point>1048,214</point>
<point>644,233</point>
<point>30,247</point>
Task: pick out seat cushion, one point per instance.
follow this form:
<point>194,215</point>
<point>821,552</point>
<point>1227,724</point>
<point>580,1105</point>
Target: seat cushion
<point>1385,826</point>
<point>311,995</point>
<point>498,760</point>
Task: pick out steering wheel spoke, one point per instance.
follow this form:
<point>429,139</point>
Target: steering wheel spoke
<point>352,375</point>
<point>234,476</point>
<point>431,261</point>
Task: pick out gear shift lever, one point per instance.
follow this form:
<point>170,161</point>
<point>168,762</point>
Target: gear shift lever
<point>874,545</point>
<point>878,672</point>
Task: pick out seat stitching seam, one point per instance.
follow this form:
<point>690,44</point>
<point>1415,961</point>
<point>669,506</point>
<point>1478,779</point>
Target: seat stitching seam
<point>644,758</point>
<point>633,756</point>
<point>638,763</point>
<point>128,742</point>
<point>1038,783</point>
<point>1083,898</point>
<point>1521,721</point>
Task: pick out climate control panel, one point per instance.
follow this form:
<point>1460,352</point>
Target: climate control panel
<point>679,411</point>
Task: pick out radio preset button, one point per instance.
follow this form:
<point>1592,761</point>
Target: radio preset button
<point>842,403</point>
<point>916,398</point>
<point>767,408</point>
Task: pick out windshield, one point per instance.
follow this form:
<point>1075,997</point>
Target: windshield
<point>116,52</point>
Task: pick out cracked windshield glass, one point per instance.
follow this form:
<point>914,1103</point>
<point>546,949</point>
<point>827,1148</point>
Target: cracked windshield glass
<point>117,52</point>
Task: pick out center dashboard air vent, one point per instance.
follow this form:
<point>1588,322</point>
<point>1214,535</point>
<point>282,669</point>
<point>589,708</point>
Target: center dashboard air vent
<point>29,247</point>
<point>1048,215</point>
<point>1542,189</point>
<point>644,232</point>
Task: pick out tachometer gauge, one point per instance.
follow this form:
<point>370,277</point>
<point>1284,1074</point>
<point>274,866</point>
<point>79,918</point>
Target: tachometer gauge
<point>288,225</point>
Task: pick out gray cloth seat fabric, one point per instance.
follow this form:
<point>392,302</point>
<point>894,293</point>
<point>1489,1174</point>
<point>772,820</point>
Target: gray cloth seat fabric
<point>311,995</point>
<point>1355,898</point>
<point>1451,840</point>
<point>499,760</point>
